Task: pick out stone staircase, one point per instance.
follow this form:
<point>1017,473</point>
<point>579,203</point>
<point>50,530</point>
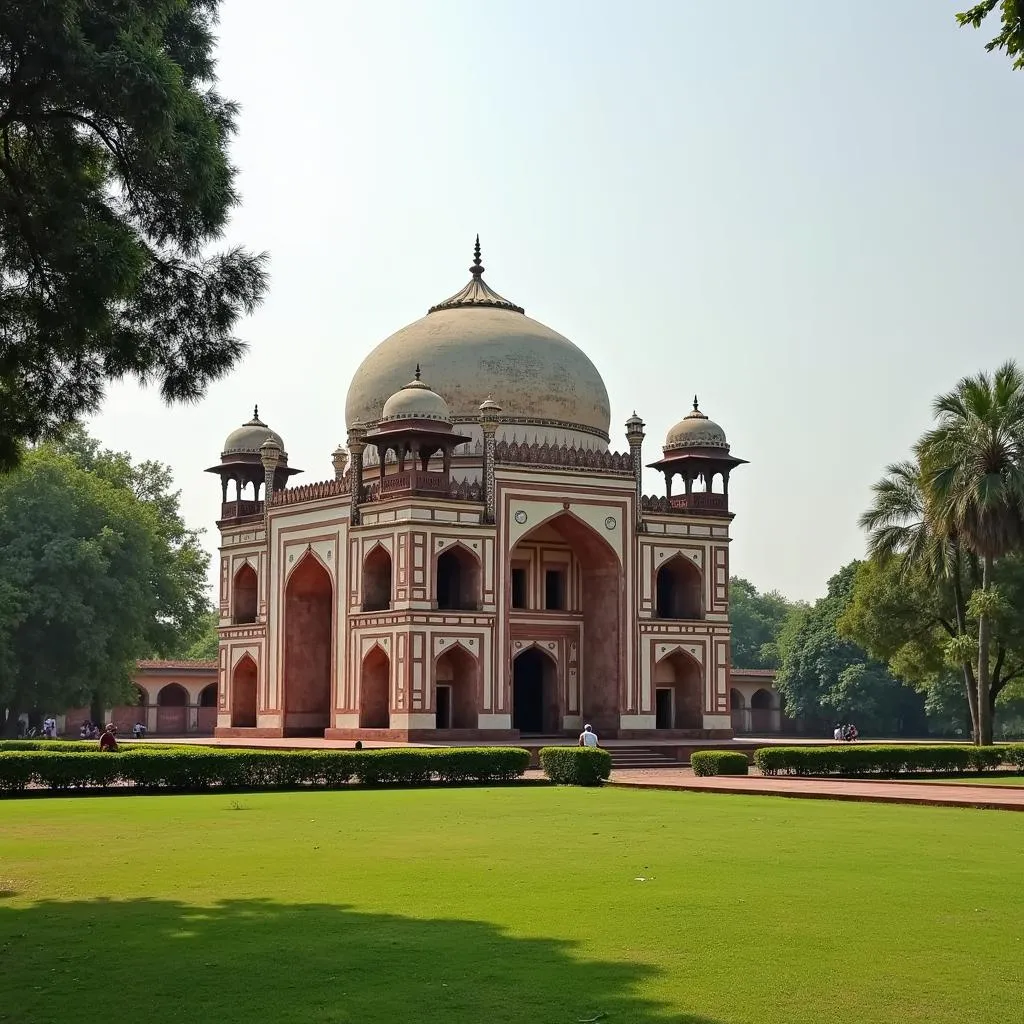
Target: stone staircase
<point>625,758</point>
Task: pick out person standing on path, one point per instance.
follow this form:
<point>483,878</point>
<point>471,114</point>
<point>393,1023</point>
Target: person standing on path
<point>588,738</point>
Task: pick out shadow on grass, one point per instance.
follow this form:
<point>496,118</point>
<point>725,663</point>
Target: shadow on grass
<point>257,961</point>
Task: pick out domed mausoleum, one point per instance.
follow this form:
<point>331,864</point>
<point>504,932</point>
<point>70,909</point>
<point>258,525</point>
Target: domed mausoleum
<point>480,564</point>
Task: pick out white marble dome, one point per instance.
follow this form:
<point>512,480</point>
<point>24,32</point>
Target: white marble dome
<point>477,344</point>
<point>695,430</point>
<point>246,439</point>
<point>415,402</point>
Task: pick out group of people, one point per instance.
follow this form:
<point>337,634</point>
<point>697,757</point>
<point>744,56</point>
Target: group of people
<point>845,733</point>
<point>89,731</point>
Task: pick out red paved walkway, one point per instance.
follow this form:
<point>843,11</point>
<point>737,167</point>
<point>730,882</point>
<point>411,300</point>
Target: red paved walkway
<point>1006,798</point>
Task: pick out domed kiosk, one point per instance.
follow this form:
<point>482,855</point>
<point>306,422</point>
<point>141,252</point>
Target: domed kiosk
<point>477,343</point>
<point>479,566</point>
<point>241,464</point>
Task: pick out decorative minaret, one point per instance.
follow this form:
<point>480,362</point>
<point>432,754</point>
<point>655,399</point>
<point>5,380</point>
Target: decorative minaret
<point>270,456</point>
<point>340,460</point>
<point>356,447</point>
<point>635,437</point>
<point>490,413</point>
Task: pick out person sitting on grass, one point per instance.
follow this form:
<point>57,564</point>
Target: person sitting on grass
<point>108,739</point>
<point>588,738</point>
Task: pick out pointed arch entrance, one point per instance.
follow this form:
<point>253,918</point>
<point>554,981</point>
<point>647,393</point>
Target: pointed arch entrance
<point>308,647</point>
<point>535,704</point>
<point>375,690</point>
<point>172,710</point>
<point>594,590</point>
<point>679,692</point>
<point>243,694</point>
<point>244,595</point>
<point>678,589</point>
<point>456,689</point>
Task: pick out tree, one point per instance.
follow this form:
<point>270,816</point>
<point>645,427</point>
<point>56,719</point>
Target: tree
<point>904,529</point>
<point>826,676</point>
<point>904,620</point>
<point>181,563</point>
<point>204,646</point>
<point>757,621</point>
<point>114,180</point>
<point>973,468</point>
<point>77,603</point>
<point>1010,38</point>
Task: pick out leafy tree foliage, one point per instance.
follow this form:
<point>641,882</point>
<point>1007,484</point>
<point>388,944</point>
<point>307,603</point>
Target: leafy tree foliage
<point>825,676</point>
<point>758,622</point>
<point>204,647</point>
<point>180,570</point>
<point>98,571</point>
<point>901,618</point>
<point>1010,37</point>
<point>973,467</point>
<point>114,180</point>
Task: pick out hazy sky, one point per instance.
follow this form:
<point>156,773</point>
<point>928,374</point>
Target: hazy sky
<point>804,211</point>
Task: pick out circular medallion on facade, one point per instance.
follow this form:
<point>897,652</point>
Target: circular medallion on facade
<point>520,517</point>
<point>609,523</point>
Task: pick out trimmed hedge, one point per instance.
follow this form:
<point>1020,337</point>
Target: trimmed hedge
<point>188,769</point>
<point>576,766</point>
<point>891,759</point>
<point>719,762</point>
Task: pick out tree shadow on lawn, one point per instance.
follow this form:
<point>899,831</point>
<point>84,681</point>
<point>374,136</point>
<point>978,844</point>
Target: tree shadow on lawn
<point>253,961</point>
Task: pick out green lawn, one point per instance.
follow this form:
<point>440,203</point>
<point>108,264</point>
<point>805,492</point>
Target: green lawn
<point>514,906</point>
<point>978,780</point>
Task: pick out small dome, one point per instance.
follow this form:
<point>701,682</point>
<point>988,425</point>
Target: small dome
<point>248,438</point>
<point>695,430</point>
<point>415,402</point>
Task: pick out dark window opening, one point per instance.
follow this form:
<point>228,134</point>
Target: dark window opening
<point>554,590</point>
<point>518,588</point>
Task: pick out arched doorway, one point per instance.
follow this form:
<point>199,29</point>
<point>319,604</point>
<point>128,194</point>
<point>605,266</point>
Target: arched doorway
<point>535,705</point>
<point>679,692</point>
<point>375,690</point>
<point>738,711</point>
<point>678,590</point>
<point>595,589</point>
<point>244,595</point>
<point>458,579</point>
<point>207,715</point>
<point>377,580</point>
<point>172,710</point>
<point>308,647</point>
<point>243,694</point>
<point>456,700</point>
<point>762,712</point>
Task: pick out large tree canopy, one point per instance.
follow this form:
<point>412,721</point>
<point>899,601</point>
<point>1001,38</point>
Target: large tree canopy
<point>826,676</point>
<point>98,571</point>
<point>114,180</point>
<point>758,624</point>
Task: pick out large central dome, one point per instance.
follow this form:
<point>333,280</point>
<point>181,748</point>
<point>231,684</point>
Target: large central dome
<point>476,345</point>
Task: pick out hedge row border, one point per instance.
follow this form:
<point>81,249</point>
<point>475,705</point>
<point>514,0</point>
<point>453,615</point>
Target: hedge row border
<point>857,759</point>
<point>191,770</point>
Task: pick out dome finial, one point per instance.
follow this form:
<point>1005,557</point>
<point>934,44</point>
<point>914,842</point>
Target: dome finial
<point>417,371</point>
<point>694,403</point>
<point>255,412</point>
<point>477,269</point>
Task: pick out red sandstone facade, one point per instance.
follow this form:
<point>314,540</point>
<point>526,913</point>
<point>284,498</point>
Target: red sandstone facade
<point>484,572</point>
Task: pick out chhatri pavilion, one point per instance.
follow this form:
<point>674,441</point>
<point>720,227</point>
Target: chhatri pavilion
<point>481,565</point>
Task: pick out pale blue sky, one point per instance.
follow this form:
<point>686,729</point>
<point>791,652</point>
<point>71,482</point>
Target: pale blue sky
<point>807,212</point>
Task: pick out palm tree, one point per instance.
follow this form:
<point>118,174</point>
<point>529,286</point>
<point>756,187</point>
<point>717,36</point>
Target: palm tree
<point>973,473</point>
<point>902,525</point>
